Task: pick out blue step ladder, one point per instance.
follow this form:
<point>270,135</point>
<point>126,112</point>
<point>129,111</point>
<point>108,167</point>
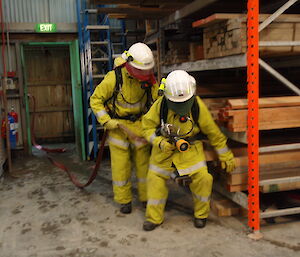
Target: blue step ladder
<point>119,41</point>
<point>96,54</point>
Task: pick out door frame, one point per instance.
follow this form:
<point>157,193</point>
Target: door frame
<point>76,91</point>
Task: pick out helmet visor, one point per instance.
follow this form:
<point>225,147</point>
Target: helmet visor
<point>143,75</point>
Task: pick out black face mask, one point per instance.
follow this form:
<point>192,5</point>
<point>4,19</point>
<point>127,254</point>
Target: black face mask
<point>181,108</point>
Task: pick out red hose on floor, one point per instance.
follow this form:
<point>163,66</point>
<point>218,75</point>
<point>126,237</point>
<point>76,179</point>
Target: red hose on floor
<point>33,141</point>
<point>61,166</point>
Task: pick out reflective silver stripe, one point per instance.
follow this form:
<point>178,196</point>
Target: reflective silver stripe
<point>130,106</point>
<point>192,168</point>
<point>142,180</point>
<point>202,198</point>
<point>138,143</point>
<point>173,175</point>
<point>118,142</point>
<point>156,202</point>
<point>152,137</point>
<point>120,183</point>
<point>159,170</point>
<point>101,113</point>
<point>223,150</point>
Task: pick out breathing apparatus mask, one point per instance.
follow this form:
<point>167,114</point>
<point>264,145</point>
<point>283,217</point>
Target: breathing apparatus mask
<point>172,132</point>
<point>179,89</point>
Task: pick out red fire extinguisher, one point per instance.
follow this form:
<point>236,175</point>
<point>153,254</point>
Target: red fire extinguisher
<point>13,114</point>
<point>12,130</point>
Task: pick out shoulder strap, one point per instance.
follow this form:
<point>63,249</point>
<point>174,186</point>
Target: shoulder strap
<point>196,111</point>
<point>164,110</point>
<point>119,78</point>
<point>196,115</point>
<point>149,100</point>
<point>118,86</point>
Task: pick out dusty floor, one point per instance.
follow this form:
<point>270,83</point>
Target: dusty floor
<point>43,214</point>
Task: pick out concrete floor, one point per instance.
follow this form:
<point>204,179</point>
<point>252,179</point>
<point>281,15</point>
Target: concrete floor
<point>43,214</point>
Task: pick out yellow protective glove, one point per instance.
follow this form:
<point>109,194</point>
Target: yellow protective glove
<point>227,161</point>
<point>166,147</point>
<point>111,124</point>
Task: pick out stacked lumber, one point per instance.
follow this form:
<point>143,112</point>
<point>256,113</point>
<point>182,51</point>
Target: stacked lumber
<point>223,207</point>
<point>183,52</point>
<point>273,165</point>
<point>272,178</point>
<point>226,34</point>
<point>178,52</point>
<point>274,113</point>
<point>214,105</point>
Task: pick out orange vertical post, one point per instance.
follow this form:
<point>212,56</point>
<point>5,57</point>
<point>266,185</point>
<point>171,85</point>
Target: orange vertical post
<point>253,130</point>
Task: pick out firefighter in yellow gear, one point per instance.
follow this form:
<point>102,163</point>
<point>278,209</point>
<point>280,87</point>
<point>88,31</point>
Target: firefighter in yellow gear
<point>187,116</point>
<point>120,100</point>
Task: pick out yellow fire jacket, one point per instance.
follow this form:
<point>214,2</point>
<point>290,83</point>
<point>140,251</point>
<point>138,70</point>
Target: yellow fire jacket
<point>131,98</point>
<point>151,122</point>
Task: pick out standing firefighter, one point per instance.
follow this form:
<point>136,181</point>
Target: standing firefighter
<point>119,102</point>
<point>174,125</point>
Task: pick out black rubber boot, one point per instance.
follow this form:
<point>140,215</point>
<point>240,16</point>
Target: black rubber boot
<point>125,208</point>
<point>148,226</point>
<point>199,223</point>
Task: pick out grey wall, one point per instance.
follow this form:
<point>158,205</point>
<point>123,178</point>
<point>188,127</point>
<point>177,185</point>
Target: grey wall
<point>40,11</point>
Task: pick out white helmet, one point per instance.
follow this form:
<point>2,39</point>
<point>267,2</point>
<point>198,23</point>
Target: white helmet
<point>139,56</point>
<point>179,86</point>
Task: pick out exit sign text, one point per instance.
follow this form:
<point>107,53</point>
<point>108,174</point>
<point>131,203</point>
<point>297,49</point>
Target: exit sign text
<point>45,27</point>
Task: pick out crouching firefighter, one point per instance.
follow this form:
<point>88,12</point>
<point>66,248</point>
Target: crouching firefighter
<point>173,125</point>
<point>120,100</point>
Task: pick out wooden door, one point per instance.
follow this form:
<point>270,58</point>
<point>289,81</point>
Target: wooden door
<point>48,77</point>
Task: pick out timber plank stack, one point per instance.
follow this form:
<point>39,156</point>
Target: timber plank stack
<point>223,207</point>
<point>214,105</point>
<point>273,165</point>
<point>238,180</point>
<point>226,34</point>
<point>274,113</point>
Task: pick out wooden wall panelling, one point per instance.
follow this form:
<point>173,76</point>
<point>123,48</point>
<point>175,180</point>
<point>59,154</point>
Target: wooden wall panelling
<point>48,79</point>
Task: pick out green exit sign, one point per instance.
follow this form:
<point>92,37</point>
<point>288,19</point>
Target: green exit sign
<point>45,27</point>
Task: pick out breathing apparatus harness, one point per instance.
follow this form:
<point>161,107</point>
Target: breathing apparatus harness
<point>181,141</point>
<point>145,85</point>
